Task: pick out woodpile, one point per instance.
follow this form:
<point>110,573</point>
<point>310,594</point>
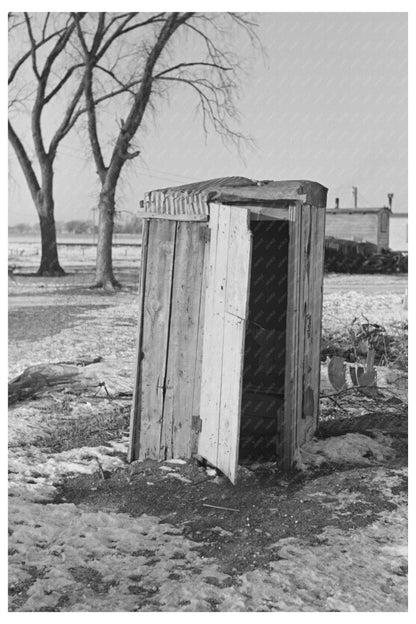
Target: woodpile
<point>344,256</point>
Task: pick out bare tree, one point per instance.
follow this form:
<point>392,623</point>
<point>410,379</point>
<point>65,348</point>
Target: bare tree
<point>137,57</point>
<point>40,57</point>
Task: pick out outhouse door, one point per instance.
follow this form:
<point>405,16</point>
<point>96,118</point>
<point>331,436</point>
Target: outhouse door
<point>226,308</point>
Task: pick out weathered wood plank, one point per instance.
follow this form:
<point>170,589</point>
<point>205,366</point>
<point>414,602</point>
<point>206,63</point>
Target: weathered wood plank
<point>214,334</point>
<point>303,410</point>
<point>224,333</point>
<point>230,396</point>
<point>196,399</point>
<point>183,341</point>
<point>175,216</point>
<point>135,415</point>
<point>156,321</point>
<point>286,439</point>
<point>236,309</point>
<point>311,374</point>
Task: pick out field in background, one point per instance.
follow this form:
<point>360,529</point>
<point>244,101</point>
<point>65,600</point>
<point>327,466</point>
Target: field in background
<point>77,255</point>
<point>74,251</point>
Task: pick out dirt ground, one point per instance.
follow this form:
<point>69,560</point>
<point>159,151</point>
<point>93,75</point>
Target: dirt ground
<point>89,532</point>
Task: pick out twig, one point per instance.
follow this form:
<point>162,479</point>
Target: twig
<point>336,403</point>
<point>361,390</point>
<point>400,377</point>
<point>218,507</point>
<point>82,361</point>
<point>100,468</point>
<point>385,350</point>
<point>201,481</point>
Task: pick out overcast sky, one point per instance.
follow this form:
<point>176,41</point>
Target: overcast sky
<point>329,105</point>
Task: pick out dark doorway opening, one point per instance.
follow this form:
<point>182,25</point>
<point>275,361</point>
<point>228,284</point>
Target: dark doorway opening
<point>265,353</point>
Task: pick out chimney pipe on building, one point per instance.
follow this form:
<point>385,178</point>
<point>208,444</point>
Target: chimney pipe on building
<point>390,196</point>
<point>337,202</point>
<point>355,195</point>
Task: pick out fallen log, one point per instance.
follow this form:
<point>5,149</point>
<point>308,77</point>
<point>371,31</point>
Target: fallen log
<point>77,376</point>
<point>37,379</point>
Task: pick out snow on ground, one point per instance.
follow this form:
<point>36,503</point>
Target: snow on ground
<point>73,560</point>
<point>65,558</point>
<point>340,309</point>
<point>109,333</point>
<point>35,474</point>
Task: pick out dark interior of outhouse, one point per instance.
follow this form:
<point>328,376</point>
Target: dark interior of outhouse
<point>264,354</point>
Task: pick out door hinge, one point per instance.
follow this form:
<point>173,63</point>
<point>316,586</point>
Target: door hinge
<point>196,424</point>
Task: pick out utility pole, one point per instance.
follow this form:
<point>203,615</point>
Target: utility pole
<point>355,195</point>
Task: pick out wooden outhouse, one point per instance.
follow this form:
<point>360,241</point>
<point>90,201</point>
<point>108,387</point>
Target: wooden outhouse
<point>229,322</point>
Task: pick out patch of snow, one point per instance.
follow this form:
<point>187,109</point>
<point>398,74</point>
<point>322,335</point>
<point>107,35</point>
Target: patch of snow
<point>180,462</point>
<point>36,474</point>
<point>356,570</point>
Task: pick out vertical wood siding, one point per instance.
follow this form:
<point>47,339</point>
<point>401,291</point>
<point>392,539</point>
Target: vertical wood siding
<point>312,248</point>
<point>169,341</point>
<point>304,313</point>
<point>134,443</point>
<point>183,341</point>
<point>156,324</point>
<point>224,333</point>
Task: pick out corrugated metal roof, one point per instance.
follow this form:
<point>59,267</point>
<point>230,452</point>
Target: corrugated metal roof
<point>194,199</point>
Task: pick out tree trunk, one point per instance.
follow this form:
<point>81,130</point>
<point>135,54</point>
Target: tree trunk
<point>49,263</point>
<point>42,196</point>
<point>104,277</point>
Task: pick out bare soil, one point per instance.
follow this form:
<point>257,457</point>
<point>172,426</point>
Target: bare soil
<point>265,505</point>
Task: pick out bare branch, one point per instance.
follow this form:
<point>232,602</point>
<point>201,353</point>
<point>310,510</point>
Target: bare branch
<point>45,25</point>
<point>24,161</point>
<point>116,17</point>
<point>89,96</point>
<point>58,48</point>
<point>62,82</point>
<point>213,109</point>
<point>127,88</point>
<point>112,75</point>
<point>130,155</point>
<point>116,33</point>
<point>98,34</point>
<point>152,20</point>
<point>68,120</point>
<point>33,46</point>
<point>27,54</point>
<point>11,27</point>
<point>194,64</point>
